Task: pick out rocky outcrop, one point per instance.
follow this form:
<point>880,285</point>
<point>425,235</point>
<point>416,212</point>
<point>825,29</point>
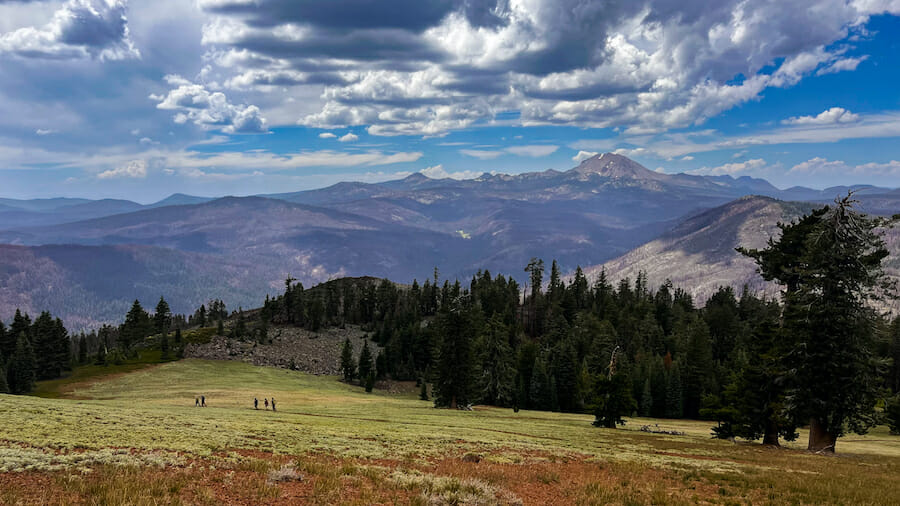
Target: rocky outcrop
<point>290,348</point>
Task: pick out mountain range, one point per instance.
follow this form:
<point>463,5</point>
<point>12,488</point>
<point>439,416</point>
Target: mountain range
<point>86,260</point>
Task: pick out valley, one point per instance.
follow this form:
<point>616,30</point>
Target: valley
<point>608,211</point>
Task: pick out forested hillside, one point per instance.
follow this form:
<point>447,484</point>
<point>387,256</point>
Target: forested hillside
<point>87,260</point>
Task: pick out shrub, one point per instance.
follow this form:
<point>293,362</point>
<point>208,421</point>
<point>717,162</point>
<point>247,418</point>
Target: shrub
<point>284,473</point>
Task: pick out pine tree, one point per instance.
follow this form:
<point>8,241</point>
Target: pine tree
<point>453,387</point>
<point>220,328</point>
<point>22,367</point>
<point>178,337</point>
<point>565,375</point>
<point>21,324</point>
<point>381,365</point>
<point>164,345</point>
<point>613,400</point>
<point>646,399</point>
<point>366,365</point>
<point>674,400</point>
<point>759,398</point>
<point>4,386</point>
<point>42,344</point>
<point>348,368</point>
<point>496,364</point>
<point>370,381</point>
<point>555,289</point>
<point>162,319</point>
<point>894,374</point>
<point>62,348</point>
<point>524,369</point>
<point>7,342</point>
<point>698,367</point>
<point>82,350</point>
<point>137,326</point>
<point>830,265</point>
<point>541,389</point>
<point>892,413</point>
<point>423,393</point>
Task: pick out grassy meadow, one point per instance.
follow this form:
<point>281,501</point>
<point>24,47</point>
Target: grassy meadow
<point>134,436</point>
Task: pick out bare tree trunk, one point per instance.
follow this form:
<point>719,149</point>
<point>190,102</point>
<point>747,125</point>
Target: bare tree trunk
<point>820,440</point>
<point>453,402</point>
<point>770,438</point>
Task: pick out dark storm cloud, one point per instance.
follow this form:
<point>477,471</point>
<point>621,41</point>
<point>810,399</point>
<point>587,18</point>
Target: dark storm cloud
<point>414,15</point>
<point>363,45</point>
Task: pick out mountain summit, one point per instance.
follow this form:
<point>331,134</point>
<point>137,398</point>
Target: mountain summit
<point>614,166</point>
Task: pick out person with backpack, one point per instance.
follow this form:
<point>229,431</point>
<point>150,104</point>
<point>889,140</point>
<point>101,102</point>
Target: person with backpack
<point>255,403</point>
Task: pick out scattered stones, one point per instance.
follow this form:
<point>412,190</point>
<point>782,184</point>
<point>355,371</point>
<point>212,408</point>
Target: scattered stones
<point>290,348</point>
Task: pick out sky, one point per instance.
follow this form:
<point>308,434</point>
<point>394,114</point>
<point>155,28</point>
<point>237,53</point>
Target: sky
<point>139,99</point>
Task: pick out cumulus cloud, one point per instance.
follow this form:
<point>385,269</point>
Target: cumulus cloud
<point>426,68</point>
<point>828,117</point>
<point>134,169</point>
<point>44,131</point>
<point>327,135</point>
<point>210,110</point>
<point>349,137</point>
<point>79,29</point>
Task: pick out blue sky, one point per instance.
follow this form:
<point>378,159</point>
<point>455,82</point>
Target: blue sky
<point>139,99</point>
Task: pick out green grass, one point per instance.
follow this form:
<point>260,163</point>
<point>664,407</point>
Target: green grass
<point>152,409</point>
<point>61,387</point>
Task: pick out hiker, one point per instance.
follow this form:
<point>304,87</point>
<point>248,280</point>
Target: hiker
<point>202,401</point>
<point>255,403</point>
<point>196,402</point>
<point>273,404</point>
<point>267,403</point>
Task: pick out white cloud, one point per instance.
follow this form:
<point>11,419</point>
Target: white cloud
<point>687,158</point>
<point>445,66</point>
<point>44,131</point>
<point>327,135</point>
<point>438,172</point>
<point>673,145</point>
<point>210,110</point>
<point>842,65</point>
<point>134,169</point>
<point>349,137</point>
<point>583,155</point>
<point>732,169</point>
<point>534,151</point>
<point>79,29</point>
<point>481,154</point>
<point>827,117</point>
<point>820,167</point>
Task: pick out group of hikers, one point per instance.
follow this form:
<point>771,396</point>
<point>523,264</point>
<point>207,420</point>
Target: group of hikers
<point>200,402</point>
<point>265,402</point>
